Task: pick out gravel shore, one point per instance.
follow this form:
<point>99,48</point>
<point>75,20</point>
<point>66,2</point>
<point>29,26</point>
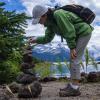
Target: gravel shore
<point>90,91</point>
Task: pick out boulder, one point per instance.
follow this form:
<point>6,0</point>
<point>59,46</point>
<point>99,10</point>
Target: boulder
<point>30,91</point>
<point>26,66</point>
<point>83,77</point>
<point>92,77</point>
<point>4,95</point>
<point>29,48</point>
<point>83,74</point>
<point>26,52</point>
<point>48,79</point>
<point>98,73</point>
<point>14,87</point>
<point>25,78</point>
<point>27,58</point>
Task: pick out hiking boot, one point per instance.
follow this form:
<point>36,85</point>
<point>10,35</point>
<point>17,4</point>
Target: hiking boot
<point>66,87</point>
<point>69,91</point>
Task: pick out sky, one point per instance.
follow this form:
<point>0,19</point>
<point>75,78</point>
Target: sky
<point>39,30</point>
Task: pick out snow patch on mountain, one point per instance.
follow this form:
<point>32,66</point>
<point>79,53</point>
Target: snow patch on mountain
<point>59,51</point>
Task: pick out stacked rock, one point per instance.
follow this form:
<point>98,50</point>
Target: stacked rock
<point>30,87</point>
<point>28,75</point>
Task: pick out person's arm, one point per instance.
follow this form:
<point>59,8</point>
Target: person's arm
<point>49,35</point>
<point>66,27</point>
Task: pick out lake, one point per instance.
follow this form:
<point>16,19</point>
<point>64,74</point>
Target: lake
<point>65,71</point>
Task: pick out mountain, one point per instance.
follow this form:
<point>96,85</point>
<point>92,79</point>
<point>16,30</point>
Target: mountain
<point>57,51</point>
<point>94,51</point>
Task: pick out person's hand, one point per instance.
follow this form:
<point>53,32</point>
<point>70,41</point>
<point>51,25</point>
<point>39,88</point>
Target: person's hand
<point>32,40</point>
<point>73,53</point>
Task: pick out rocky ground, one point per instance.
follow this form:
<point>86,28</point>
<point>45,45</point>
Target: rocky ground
<point>51,90</point>
<point>90,91</point>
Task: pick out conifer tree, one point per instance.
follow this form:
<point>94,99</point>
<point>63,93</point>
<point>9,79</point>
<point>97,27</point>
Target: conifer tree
<point>12,27</point>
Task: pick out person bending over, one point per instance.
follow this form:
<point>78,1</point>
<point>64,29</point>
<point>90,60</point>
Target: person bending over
<point>74,30</point>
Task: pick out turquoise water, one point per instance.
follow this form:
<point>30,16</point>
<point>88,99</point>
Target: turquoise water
<point>65,71</point>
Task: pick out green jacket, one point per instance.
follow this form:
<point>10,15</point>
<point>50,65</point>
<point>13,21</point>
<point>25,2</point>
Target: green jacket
<point>68,25</point>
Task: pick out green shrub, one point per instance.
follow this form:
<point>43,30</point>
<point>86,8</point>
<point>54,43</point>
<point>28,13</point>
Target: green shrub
<point>9,68</point>
<point>43,69</point>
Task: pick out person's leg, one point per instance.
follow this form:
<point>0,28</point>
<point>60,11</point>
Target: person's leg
<point>75,63</point>
<point>75,67</point>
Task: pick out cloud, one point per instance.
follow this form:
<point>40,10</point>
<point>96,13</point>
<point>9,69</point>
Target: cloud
<point>95,39</point>
<point>35,30</point>
<point>29,4</point>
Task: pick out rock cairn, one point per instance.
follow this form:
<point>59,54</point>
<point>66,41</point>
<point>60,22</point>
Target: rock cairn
<point>27,85</point>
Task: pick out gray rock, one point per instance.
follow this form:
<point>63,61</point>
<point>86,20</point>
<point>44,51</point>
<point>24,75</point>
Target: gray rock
<point>84,77</point>
<point>4,95</point>
<point>36,88</point>
<point>98,73</point>
<point>27,52</point>
<point>92,77</point>
<point>14,87</point>
<point>27,65</point>
<point>30,91</point>
<point>28,58</point>
<point>29,47</point>
<point>25,78</point>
